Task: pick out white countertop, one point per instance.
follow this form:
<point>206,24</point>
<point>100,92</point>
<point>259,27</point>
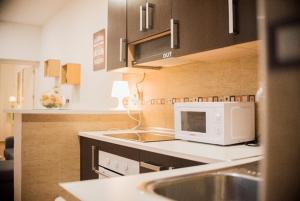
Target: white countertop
<point>205,153</point>
<point>68,111</point>
<point>129,187</point>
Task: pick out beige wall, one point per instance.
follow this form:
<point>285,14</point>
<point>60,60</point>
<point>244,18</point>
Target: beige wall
<point>68,36</point>
<point>237,76</point>
<point>19,41</point>
<point>50,150</point>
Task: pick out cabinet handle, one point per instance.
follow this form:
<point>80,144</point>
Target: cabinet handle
<point>151,166</point>
<point>149,15</point>
<point>232,16</point>
<point>122,50</point>
<point>93,161</point>
<point>142,18</point>
<point>174,25</point>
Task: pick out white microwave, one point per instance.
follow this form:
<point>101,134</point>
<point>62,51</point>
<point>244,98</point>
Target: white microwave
<point>221,123</point>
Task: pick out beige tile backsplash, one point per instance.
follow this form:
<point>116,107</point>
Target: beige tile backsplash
<point>238,76</point>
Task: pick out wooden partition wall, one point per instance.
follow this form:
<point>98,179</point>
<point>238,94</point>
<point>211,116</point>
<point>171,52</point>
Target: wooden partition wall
<point>50,152</point>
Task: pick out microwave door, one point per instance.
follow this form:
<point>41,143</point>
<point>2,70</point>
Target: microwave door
<point>193,121</point>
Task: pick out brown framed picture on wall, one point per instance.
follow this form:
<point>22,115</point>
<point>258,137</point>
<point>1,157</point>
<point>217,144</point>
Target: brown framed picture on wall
<point>99,50</point>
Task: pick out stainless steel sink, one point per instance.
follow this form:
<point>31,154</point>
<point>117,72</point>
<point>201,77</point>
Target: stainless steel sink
<point>218,186</point>
<point>143,137</point>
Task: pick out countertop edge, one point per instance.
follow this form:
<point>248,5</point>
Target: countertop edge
<point>70,111</point>
<point>142,146</point>
<point>83,189</point>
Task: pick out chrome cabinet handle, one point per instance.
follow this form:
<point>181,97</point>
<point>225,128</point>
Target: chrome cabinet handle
<point>149,15</point>
<point>122,50</point>
<point>232,18</point>
<point>142,18</point>
<point>150,166</point>
<point>93,161</point>
<point>174,33</point>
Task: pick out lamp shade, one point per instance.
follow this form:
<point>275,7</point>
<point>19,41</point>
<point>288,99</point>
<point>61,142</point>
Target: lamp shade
<point>12,99</point>
<point>120,89</point>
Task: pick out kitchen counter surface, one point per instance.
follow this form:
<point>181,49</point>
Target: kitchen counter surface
<point>205,153</point>
<point>129,187</point>
<point>69,111</point>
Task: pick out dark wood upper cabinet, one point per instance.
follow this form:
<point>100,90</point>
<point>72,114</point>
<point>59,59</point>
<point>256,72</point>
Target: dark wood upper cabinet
<point>147,18</point>
<point>158,29</point>
<point>205,25</point>
<point>246,14</point>
<point>136,19</point>
<point>116,35</point>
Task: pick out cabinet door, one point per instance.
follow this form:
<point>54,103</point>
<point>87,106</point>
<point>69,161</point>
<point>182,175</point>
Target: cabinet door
<point>86,161</point>
<point>198,22</point>
<point>147,18</point>
<point>136,19</point>
<point>246,19</point>
<point>151,162</point>
<point>159,15</point>
<point>204,24</point>
<point>116,35</point>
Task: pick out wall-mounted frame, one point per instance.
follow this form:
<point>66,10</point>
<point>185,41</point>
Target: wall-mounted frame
<point>99,50</point>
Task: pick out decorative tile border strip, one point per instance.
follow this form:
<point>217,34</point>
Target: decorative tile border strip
<point>170,101</point>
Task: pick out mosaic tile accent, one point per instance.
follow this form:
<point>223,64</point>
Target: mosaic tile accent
<point>171,101</point>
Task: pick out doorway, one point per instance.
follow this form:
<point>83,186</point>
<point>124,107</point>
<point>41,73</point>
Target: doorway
<point>17,90</point>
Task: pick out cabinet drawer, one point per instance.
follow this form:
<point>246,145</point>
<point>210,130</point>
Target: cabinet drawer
<point>126,152</point>
<point>163,162</point>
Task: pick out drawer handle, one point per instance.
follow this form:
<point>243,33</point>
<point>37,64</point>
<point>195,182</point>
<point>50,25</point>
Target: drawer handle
<point>232,16</point>
<point>142,18</point>
<point>122,50</point>
<point>93,161</point>
<point>174,25</point>
<point>151,166</point>
<point>149,15</point>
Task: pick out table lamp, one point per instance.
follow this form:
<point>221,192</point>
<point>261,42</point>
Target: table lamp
<point>120,90</point>
<point>12,101</point>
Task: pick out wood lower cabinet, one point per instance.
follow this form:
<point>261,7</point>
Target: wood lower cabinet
<point>149,161</point>
<point>86,153</point>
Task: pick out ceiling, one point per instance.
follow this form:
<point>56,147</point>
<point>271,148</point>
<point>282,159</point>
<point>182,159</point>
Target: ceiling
<point>32,12</point>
